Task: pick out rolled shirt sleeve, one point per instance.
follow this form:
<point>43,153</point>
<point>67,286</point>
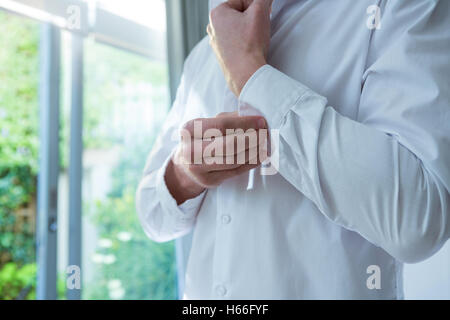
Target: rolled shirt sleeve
<point>385,175</point>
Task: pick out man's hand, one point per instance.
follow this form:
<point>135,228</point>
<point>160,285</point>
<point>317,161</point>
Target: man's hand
<point>239,32</point>
<point>213,150</point>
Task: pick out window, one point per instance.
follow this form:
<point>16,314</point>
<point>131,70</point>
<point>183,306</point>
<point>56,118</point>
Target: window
<point>19,148</point>
<point>126,99</point>
<point>148,13</point>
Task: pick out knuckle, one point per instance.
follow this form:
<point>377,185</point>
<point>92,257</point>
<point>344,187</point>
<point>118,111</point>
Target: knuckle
<point>209,30</point>
<point>217,12</point>
<point>185,153</point>
<point>222,114</point>
<point>184,135</point>
<point>187,126</point>
<point>214,14</point>
<point>259,7</point>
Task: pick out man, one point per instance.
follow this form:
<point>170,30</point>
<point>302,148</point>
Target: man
<point>359,93</point>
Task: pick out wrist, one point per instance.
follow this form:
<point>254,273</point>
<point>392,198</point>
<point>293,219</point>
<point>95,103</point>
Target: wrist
<point>180,185</point>
<point>244,71</point>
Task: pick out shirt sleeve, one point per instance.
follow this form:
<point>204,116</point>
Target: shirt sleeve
<point>385,175</point>
<point>160,216</point>
<point>190,206</point>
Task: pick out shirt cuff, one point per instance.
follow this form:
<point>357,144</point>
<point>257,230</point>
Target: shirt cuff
<point>187,210</point>
<point>192,205</point>
<point>272,93</point>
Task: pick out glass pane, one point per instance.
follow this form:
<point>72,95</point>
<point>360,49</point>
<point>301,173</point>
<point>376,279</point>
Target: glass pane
<point>19,73</point>
<point>150,13</point>
<point>126,101</point>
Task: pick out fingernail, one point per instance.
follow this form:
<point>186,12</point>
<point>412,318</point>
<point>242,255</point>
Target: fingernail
<point>261,123</point>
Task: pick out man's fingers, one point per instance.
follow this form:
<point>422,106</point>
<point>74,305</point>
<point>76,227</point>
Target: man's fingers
<point>223,163</point>
<point>227,114</point>
<point>251,156</point>
<point>219,164</point>
<point>197,128</point>
<point>226,147</point>
<point>234,145</point>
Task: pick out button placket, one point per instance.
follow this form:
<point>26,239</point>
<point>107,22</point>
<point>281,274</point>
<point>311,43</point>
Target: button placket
<point>221,260</point>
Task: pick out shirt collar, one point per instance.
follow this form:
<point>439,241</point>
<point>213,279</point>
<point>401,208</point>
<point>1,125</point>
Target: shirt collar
<point>276,6</point>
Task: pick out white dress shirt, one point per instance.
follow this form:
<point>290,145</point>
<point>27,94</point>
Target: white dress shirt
<point>364,174</point>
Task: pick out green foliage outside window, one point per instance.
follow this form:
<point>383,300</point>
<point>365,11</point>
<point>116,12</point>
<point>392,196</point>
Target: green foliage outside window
<point>18,283</point>
<point>145,269</point>
<point>18,151</point>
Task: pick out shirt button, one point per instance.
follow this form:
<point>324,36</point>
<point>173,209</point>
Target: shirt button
<point>226,219</point>
<point>221,290</point>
